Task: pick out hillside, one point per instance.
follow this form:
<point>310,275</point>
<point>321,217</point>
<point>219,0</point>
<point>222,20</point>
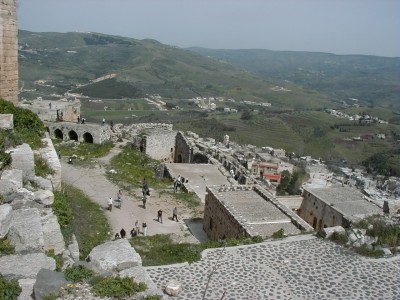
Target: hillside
<point>70,61</point>
<point>372,80</point>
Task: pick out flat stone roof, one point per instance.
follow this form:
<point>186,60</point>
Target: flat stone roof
<point>347,200</point>
<point>199,176</point>
<point>258,215</point>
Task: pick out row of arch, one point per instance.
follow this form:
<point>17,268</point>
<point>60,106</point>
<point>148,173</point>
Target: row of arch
<point>72,135</point>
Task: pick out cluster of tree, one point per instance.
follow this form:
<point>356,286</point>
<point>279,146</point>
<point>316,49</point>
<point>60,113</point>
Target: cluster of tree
<point>290,183</point>
<point>387,164</point>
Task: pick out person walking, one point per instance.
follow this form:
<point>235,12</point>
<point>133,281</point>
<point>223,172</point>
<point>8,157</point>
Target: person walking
<point>159,216</point>
<point>119,199</point>
<point>144,199</point>
<point>122,233</point>
<point>145,188</point>
<point>110,203</point>
<point>175,214</point>
<point>144,225</point>
<point>103,121</point>
<point>137,226</point>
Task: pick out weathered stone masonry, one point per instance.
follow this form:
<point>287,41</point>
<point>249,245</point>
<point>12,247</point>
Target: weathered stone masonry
<point>8,51</point>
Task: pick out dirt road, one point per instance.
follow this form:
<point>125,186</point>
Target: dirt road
<point>93,182</point>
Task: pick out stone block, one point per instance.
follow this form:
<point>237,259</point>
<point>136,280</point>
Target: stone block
<point>26,232</point>
<point>44,197</point>
<point>27,288</point>
<point>6,217</point>
<point>6,121</point>
<point>53,238</point>
<point>25,266</point>
<point>330,230</point>
<point>173,288</point>
<point>23,159</point>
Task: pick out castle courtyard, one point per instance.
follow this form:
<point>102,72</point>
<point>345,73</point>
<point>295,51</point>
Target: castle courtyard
<point>302,267</point>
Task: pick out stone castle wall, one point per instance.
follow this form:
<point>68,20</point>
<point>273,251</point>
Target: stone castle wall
<point>8,51</point>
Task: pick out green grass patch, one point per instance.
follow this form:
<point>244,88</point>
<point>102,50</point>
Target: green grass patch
<point>27,125</point>
<point>85,152</point>
<point>62,209</point>
<point>89,223</point>
<point>117,287</point>
<point>132,166</point>
<point>78,274</point>
<point>159,249</point>
<point>9,289</point>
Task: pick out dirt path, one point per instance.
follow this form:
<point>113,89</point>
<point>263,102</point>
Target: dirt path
<point>93,182</point>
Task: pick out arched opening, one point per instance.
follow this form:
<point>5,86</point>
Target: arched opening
<point>179,160</point>
<point>88,138</point>
<point>58,134</point>
<point>73,135</point>
<point>48,130</point>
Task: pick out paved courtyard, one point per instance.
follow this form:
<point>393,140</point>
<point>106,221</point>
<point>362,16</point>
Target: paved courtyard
<point>301,267</point>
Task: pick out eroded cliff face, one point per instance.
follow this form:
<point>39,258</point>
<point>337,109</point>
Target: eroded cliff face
<point>8,51</point>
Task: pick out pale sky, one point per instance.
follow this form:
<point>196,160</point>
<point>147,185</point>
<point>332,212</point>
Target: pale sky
<point>336,26</point>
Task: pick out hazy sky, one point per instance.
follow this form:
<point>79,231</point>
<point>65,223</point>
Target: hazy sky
<point>335,26</point>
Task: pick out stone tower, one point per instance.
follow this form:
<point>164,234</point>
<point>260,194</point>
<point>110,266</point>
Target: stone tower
<point>8,51</point>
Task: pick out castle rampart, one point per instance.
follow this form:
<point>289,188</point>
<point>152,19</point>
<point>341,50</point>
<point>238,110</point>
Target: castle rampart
<point>8,51</point>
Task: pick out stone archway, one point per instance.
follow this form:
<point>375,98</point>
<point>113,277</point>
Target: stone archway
<point>73,135</point>
<point>58,134</point>
<point>88,138</point>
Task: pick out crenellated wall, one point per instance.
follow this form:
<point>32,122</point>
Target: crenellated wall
<point>8,51</point>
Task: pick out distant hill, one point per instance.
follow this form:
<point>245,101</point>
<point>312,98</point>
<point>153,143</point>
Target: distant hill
<point>371,79</point>
<point>71,61</point>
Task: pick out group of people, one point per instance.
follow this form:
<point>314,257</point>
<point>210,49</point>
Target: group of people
<point>118,200</point>
<point>178,183</point>
<point>145,193</point>
<point>135,231</point>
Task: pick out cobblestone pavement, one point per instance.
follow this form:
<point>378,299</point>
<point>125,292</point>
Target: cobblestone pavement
<point>295,268</point>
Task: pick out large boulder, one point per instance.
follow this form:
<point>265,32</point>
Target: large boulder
<point>6,216</point>
<point>45,197</point>
<point>26,232</point>
<point>10,182</point>
<point>25,266</point>
<point>53,238</point>
<point>114,256</point>
<point>48,282</point>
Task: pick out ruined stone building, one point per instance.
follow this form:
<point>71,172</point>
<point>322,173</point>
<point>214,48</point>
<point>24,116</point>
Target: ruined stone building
<point>247,211</point>
<point>8,51</point>
<point>335,206</point>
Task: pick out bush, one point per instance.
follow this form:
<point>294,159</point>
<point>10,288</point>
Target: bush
<point>42,169</point>
<point>78,273</point>
<point>340,238</point>
<point>27,124</point>
<point>9,290</point>
<point>363,250</point>
<point>280,234</point>
<point>117,287</point>
<point>5,247</point>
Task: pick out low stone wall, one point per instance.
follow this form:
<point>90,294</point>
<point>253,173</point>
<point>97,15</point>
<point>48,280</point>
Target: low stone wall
<point>49,154</point>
